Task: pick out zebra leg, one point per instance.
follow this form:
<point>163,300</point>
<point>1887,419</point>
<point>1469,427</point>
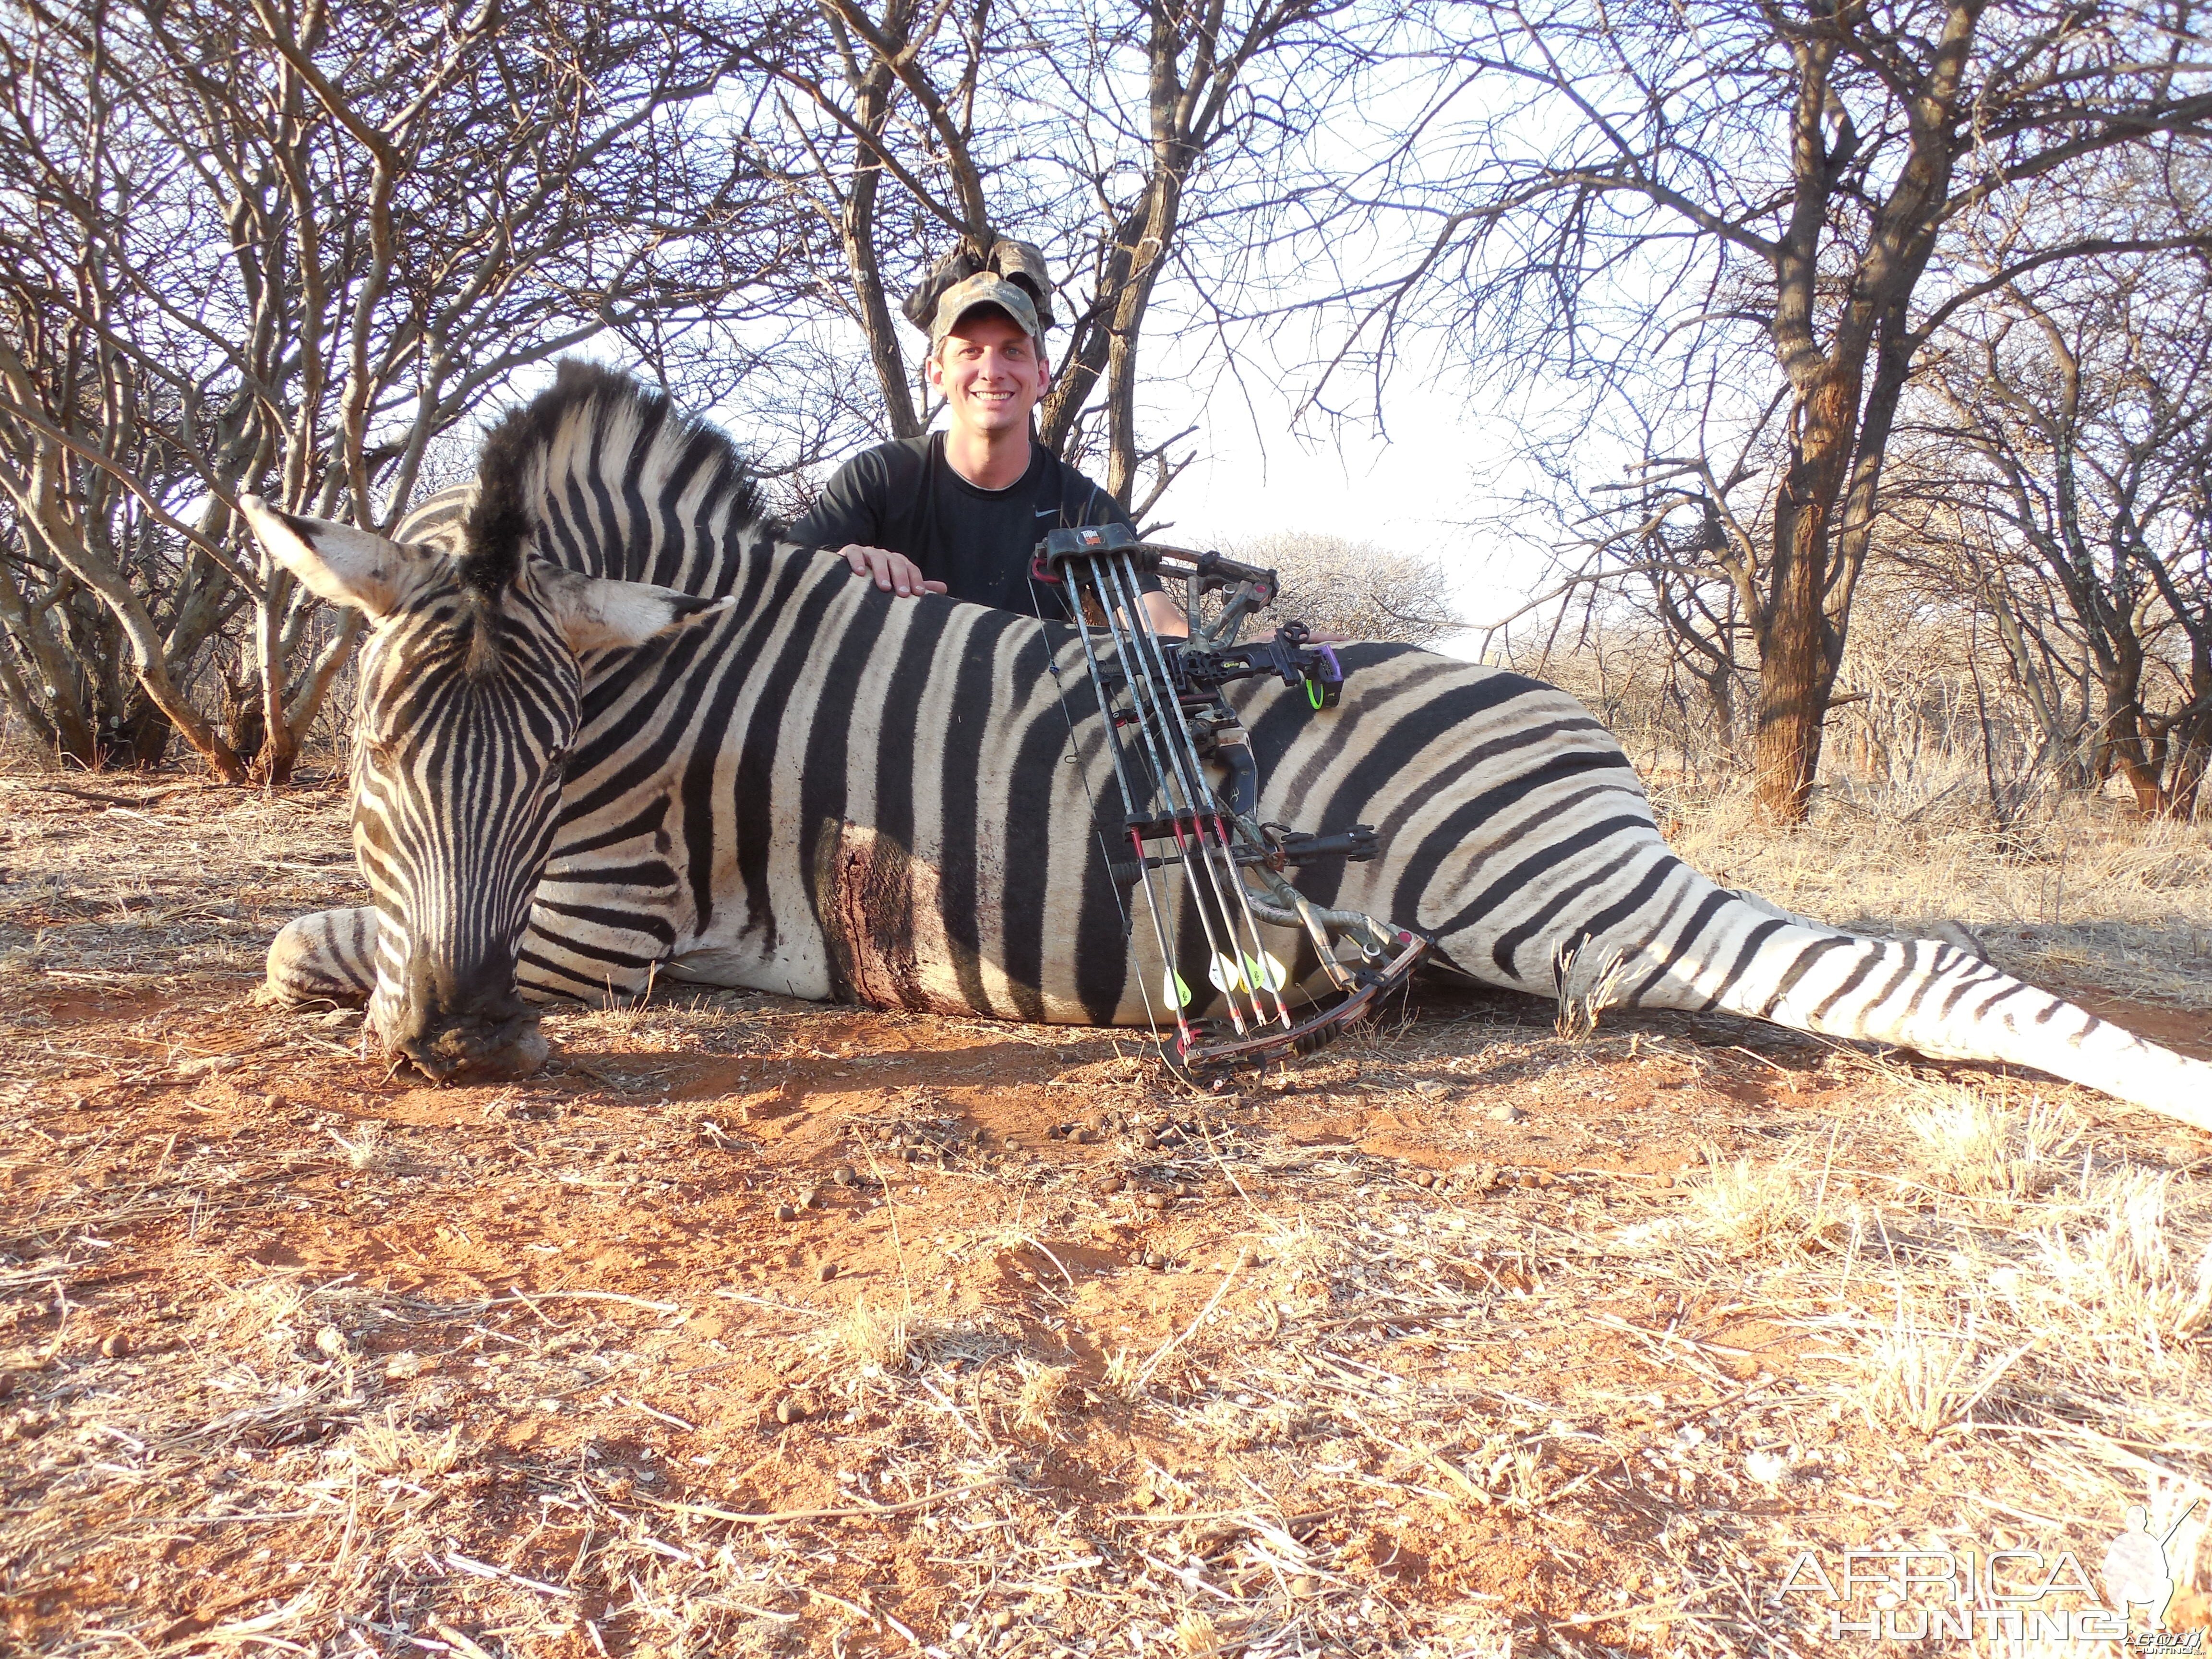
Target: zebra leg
<point>1697,946</point>
<point>327,956</point>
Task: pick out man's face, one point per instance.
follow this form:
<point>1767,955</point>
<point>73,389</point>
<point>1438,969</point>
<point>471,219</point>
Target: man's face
<point>990,374</point>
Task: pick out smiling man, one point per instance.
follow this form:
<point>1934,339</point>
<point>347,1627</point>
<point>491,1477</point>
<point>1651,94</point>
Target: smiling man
<point>960,511</point>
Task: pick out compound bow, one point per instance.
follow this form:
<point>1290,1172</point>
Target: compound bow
<point>1169,730</point>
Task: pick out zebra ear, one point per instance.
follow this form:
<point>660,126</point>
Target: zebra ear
<point>596,613</point>
<point>342,564</point>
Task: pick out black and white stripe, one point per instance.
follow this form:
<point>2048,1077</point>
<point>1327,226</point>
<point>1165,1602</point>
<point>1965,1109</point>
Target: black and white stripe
<point>830,792</point>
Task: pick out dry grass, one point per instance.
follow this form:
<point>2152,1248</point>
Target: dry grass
<point>1475,1335</point>
<point>1774,1210</point>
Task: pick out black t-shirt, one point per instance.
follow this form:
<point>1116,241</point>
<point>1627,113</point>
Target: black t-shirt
<point>906,497</point>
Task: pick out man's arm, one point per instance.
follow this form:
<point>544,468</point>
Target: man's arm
<point>847,519</point>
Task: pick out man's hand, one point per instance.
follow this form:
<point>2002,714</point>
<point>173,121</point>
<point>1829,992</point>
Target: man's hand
<point>1167,618</point>
<point>894,572</point>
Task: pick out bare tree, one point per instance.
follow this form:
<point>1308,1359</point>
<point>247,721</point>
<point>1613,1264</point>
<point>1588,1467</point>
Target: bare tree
<point>1677,190</point>
<point>1335,584</point>
<point>2076,420</point>
<point>919,135</point>
<point>261,245</point>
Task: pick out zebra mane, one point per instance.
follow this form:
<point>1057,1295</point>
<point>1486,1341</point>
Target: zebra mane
<point>502,518</point>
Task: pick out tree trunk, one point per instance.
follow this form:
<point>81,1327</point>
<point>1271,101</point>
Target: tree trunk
<point>1128,319</point>
<point>1798,650</point>
<point>279,748</point>
<point>2130,748</point>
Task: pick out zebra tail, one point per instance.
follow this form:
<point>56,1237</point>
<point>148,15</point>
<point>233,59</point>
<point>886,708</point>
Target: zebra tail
<point>1932,997</point>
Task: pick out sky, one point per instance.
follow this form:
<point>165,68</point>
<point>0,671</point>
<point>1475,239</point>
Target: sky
<point>1413,489</point>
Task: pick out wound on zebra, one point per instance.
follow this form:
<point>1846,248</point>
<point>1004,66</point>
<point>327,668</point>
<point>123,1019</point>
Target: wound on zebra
<point>694,752</point>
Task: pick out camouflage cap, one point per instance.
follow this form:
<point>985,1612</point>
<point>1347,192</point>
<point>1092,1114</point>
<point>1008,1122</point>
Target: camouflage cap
<point>984,289</point>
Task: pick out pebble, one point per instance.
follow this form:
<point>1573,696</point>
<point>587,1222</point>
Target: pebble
<point>1002,1619</point>
<point>790,1411</point>
<point>912,1154</point>
<point>1154,1260</point>
<point>977,1135</point>
<point>1424,1178</point>
<point>828,1272</point>
<point>812,1198</point>
<point>1111,1184</point>
<point>785,1212</point>
<point>330,1341</point>
<point>845,1176</point>
<point>1250,1258</point>
<point>1303,1586</point>
<point>1488,1179</point>
<point>1012,1144</point>
<point>1509,1114</point>
<point>116,1345</point>
<point>1147,1141</point>
<point>1155,1200</point>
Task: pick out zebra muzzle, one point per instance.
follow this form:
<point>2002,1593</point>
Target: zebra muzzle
<point>470,1050</point>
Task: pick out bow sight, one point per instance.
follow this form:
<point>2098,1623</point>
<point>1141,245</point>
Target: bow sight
<point>1190,794</point>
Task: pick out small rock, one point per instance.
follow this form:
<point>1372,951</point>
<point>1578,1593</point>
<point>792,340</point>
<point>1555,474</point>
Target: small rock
<point>977,1135</point>
<point>1424,1178</point>
<point>1155,1260</point>
<point>912,1154</point>
<point>1154,1200</point>
<point>330,1341</point>
<point>1111,1184</point>
<point>845,1176</point>
<point>1486,1178</point>
<point>1303,1586</point>
<point>1012,1144</point>
<point>1250,1258</point>
<point>116,1345</point>
<point>828,1272</point>
<point>812,1198</point>
<point>1147,1141</point>
<point>1432,1088</point>
<point>1526,1178</point>
<point>1002,1619</point>
<point>785,1212</point>
<point>788,1410</point>
<point>1509,1114</point>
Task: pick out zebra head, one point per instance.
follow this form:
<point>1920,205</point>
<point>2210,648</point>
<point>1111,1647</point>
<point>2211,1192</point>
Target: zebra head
<point>470,690</point>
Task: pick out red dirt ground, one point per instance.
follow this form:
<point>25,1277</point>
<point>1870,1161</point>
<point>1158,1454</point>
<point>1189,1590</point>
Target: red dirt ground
<point>1358,1356</point>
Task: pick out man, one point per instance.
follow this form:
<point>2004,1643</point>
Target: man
<point>960,511</point>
